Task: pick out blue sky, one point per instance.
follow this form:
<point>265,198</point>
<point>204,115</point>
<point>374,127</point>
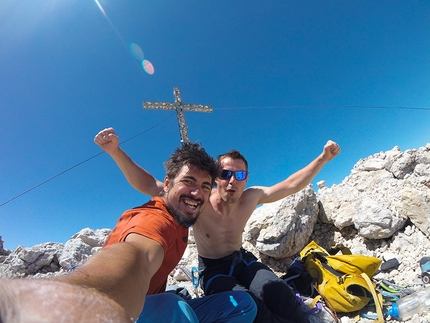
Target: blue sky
<point>283,77</point>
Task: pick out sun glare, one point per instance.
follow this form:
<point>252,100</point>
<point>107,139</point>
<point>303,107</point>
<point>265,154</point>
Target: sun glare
<point>100,7</point>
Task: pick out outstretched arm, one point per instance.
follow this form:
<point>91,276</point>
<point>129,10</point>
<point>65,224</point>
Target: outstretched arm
<point>139,178</point>
<point>42,300</point>
<point>110,287</point>
<point>122,272</point>
<point>299,179</point>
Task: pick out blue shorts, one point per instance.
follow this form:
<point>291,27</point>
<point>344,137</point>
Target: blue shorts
<point>231,307</point>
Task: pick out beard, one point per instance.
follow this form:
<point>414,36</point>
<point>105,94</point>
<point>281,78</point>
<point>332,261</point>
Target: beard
<point>180,217</point>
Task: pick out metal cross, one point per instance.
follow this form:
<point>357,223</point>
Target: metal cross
<point>179,107</point>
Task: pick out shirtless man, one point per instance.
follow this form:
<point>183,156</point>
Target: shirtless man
<point>218,232</point>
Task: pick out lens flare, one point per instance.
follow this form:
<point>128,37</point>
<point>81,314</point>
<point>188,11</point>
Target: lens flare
<point>134,48</point>
<point>136,51</point>
<point>101,8</point>
<point>147,67</point>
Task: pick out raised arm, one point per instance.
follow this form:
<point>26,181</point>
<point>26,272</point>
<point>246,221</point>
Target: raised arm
<point>298,180</point>
<point>139,178</point>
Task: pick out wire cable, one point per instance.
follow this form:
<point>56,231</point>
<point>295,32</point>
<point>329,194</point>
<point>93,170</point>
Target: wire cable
<point>327,107</point>
<point>80,163</point>
<point>232,108</point>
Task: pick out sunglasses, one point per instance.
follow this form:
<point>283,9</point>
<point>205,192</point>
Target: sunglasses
<point>240,175</point>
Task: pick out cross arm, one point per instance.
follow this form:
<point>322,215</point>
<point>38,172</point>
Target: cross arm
<point>158,105</point>
<point>196,107</point>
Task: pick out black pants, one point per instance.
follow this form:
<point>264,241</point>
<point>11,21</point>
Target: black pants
<point>241,271</point>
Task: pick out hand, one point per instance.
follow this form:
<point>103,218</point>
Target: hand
<point>107,140</point>
<point>331,150</point>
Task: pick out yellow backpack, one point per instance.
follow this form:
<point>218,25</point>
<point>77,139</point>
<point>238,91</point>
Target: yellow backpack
<point>343,280</point>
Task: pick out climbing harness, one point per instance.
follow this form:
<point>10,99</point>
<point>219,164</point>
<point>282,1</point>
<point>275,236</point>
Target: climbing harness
<point>236,258</point>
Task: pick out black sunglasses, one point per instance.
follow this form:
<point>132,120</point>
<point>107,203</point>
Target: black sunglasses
<point>240,175</point>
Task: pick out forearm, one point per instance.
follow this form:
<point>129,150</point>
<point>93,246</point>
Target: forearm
<point>118,272</point>
<point>41,300</point>
<point>294,183</point>
<point>304,176</point>
<point>299,179</point>
<point>137,177</point>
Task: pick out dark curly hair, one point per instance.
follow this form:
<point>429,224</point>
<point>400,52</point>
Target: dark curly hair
<point>191,154</point>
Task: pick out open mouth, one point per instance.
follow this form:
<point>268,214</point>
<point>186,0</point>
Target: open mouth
<point>191,204</point>
<point>230,191</point>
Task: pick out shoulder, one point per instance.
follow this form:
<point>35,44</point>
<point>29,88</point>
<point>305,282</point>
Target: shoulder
<point>253,192</point>
<point>153,220</point>
<point>257,195</point>
<point>250,198</point>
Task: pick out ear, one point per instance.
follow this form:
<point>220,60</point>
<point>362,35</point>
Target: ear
<point>166,184</point>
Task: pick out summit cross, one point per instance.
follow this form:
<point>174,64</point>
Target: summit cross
<point>179,107</point>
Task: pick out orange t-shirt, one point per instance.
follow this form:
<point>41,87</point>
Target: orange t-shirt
<point>153,221</point>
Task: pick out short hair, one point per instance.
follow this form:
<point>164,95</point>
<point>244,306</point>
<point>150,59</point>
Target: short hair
<point>190,154</point>
<point>233,154</point>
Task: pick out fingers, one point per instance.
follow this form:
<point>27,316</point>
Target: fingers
<point>332,147</point>
<point>106,135</point>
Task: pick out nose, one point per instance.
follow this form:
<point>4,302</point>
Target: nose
<point>196,191</point>
<point>232,179</point>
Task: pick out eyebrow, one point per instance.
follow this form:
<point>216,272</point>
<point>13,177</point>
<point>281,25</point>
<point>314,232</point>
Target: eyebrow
<point>194,179</point>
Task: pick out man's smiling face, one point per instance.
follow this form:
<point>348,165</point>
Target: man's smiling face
<point>187,194</point>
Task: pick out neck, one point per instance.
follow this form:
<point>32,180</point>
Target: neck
<point>221,205</point>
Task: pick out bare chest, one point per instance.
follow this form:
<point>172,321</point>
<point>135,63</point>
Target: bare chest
<point>218,235</point>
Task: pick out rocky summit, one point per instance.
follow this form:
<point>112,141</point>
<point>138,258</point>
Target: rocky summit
<point>381,209</point>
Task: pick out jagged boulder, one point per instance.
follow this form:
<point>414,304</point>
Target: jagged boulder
<point>81,246</point>
<point>381,194</point>
<point>379,197</point>
<point>41,258</point>
<point>281,229</point>
<point>52,257</point>
<point>3,252</point>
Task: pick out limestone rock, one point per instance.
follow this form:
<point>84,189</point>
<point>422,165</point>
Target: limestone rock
<point>81,246</point>
<point>381,194</point>
<point>282,228</point>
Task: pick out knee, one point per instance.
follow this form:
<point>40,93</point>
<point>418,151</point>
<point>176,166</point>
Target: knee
<point>166,307</point>
<point>243,302</point>
<point>169,299</point>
